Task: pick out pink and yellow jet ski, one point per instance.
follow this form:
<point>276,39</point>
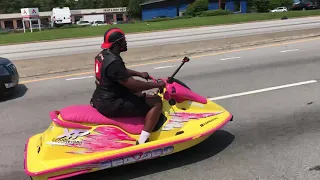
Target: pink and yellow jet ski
<point>81,140</point>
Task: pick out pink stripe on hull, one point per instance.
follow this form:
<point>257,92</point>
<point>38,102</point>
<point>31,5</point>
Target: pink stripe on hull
<point>70,174</point>
<point>120,155</point>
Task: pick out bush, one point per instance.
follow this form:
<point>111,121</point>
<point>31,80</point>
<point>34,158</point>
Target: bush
<point>183,17</point>
<point>197,7</point>
<point>218,12</point>
<point>261,5</point>
<point>67,26</point>
<point>158,19</point>
<point>168,19</point>
<point>4,32</point>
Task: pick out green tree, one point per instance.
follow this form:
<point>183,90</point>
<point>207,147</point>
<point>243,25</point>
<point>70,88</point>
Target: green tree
<point>115,3</point>
<point>10,6</point>
<point>134,8</point>
<point>261,5</point>
<point>197,7</point>
<point>278,3</point>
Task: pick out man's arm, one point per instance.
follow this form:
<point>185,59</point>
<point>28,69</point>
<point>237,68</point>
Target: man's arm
<point>134,73</point>
<point>137,85</point>
<point>118,72</point>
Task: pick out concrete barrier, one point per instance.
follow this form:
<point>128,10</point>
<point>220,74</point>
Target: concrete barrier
<point>30,68</point>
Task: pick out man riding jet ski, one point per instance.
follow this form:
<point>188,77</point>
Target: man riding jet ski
<point>117,93</point>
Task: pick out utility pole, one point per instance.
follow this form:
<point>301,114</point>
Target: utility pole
<point>178,2</point>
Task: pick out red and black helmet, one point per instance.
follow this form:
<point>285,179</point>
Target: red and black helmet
<point>112,36</point>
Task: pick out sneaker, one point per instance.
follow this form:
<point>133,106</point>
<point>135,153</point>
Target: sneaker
<point>137,142</point>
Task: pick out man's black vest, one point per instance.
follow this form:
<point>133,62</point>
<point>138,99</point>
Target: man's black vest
<point>105,87</point>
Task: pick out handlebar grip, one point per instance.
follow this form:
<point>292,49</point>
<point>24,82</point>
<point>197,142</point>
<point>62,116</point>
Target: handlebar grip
<point>153,79</point>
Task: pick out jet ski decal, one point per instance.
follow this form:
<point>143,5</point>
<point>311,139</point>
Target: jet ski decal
<point>178,119</point>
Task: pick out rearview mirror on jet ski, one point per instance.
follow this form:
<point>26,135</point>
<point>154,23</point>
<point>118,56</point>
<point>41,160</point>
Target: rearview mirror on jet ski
<point>170,79</point>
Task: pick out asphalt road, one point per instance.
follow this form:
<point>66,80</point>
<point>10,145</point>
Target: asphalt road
<point>274,135</point>
<point>75,46</point>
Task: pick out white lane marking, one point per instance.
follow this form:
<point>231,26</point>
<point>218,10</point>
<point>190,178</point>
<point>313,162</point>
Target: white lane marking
<point>229,58</point>
<point>290,50</point>
<point>163,67</point>
<point>79,78</point>
<point>262,90</point>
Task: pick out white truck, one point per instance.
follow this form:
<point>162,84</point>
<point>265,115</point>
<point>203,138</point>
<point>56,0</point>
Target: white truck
<point>92,18</point>
<point>60,16</point>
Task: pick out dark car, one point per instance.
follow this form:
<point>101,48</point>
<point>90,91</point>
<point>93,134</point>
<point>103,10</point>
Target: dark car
<point>9,77</point>
<point>303,6</point>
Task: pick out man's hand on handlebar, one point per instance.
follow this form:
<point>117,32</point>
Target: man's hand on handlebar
<point>161,85</point>
<point>158,82</point>
<point>144,75</point>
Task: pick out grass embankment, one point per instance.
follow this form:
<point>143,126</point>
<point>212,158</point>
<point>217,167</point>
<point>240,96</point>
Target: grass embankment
<point>54,34</point>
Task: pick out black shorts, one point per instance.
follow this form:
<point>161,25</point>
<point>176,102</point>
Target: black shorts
<point>129,106</point>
